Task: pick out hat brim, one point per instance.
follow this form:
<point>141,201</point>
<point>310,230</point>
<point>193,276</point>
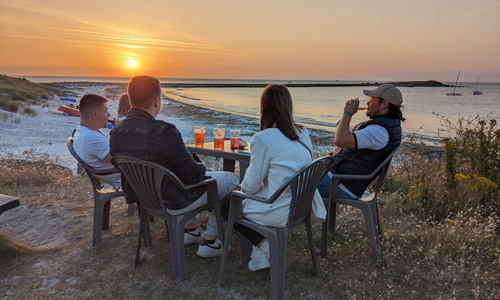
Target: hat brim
<point>370,93</point>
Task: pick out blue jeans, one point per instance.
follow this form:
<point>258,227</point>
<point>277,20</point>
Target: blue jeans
<point>324,189</point>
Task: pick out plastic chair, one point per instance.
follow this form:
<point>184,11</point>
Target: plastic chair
<point>367,204</point>
<point>146,180</point>
<point>303,186</point>
<point>102,196</point>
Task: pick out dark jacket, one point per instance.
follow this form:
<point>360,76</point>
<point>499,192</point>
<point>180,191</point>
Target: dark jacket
<point>365,161</point>
<point>141,136</point>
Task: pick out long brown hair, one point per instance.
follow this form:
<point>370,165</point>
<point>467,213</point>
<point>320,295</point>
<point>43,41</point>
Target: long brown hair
<point>123,106</point>
<point>276,110</point>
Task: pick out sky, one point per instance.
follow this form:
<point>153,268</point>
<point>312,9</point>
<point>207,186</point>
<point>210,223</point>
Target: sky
<point>287,40</point>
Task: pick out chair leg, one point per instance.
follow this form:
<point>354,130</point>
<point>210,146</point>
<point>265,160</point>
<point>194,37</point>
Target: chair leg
<point>177,248</point>
<point>333,217</point>
<point>372,232</point>
<point>225,251</point>
<point>277,251</point>
<point>328,225</point>
<point>98,223</point>
<point>324,238</point>
<point>168,235</point>
<point>146,229</point>
<point>142,221</point>
<point>105,214</point>
<point>311,246</point>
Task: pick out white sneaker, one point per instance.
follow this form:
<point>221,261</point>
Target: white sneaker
<point>259,259</point>
<point>210,250</point>
<point>193,237</point>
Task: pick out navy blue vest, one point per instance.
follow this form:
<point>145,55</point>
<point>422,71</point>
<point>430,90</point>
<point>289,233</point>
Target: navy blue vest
<point>365,161</point>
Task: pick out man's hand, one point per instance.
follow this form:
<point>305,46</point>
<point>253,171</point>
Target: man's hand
<point>351,106</point>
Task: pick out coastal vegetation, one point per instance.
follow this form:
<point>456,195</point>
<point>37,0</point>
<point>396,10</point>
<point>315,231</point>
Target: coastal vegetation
<point>16,93</point>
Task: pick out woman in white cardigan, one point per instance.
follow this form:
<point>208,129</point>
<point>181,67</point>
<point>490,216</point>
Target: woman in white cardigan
<point>275,155</point>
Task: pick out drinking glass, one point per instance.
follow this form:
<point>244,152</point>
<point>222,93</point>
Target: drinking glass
<point>235,138</point>
<point>199,136</point>
<point>219,134</point>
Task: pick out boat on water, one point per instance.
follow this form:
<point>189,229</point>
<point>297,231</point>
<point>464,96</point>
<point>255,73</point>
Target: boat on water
<point>476,91</point>
<point>454,88</point>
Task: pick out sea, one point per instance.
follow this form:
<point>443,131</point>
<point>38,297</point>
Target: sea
<point>320,107</point>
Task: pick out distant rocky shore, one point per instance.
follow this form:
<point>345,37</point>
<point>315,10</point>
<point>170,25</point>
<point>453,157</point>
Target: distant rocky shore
<point>429,83</point>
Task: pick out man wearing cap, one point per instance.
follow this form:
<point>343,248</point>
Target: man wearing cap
<point>362,149</point>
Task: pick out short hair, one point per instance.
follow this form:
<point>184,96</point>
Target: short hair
<point>89,103</point>
<point>123,105</point>
<point>276,110</point>
<point>142,90</point>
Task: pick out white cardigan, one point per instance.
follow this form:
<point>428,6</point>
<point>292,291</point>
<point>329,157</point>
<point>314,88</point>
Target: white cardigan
<point>273,159</point>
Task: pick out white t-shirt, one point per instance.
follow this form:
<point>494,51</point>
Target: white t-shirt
<point>373,137</point>
<point>92,146</point>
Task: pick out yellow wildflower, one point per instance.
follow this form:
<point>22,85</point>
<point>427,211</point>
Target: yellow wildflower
<point>460,176</point>
<point>485,181</point>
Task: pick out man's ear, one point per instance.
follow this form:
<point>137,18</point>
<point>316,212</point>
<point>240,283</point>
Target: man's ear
<point>385,104</point>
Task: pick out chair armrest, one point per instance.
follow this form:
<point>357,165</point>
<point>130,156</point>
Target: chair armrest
<point>106,171</point>
<point>202,183</point>
<point>353,177</point>
<point>249,196</point>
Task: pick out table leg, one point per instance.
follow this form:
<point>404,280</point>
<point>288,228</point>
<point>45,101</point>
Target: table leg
<point>228,165</point>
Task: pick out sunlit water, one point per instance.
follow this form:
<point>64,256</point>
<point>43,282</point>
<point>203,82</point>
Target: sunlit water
<point>321,107</point>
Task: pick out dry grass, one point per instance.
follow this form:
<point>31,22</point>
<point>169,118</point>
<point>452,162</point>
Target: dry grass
<point>17,92</point>
<point>426,259</point>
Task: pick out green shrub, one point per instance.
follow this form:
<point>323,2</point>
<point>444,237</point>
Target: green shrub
<point>463,179</point>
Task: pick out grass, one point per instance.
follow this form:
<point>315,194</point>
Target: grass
<point>15,92</point>
<point>426,258</point>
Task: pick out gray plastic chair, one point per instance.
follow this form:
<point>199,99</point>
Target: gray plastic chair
<point>303,185</point>
<point>146,180</point>
<point>102,196</point>
<point>367,205</point>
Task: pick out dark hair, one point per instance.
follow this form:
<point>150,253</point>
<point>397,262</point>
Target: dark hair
<point>142,90</point>
<point>276,110</point>
<point>123,105</point>
<point>89,103</point>
<point>395,112</point>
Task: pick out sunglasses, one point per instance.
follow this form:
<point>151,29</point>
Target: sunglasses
<point>374,99</point>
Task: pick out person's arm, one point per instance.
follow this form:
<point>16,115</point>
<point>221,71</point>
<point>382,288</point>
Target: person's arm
<point>107,158</point>
<point>344,138</point>
<point>179,159</point>
<point>258,168</point>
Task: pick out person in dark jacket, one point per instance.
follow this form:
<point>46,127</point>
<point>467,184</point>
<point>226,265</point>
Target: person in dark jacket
<point>362,149</point>
<point>140,135</point>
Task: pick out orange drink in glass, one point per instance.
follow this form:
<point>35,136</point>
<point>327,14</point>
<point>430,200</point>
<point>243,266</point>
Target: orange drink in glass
<point>219,134</point>
<point>199,136</point>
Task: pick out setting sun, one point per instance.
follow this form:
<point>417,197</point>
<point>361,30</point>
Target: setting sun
<point>131,63</point>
